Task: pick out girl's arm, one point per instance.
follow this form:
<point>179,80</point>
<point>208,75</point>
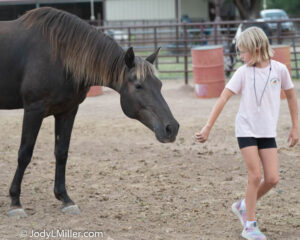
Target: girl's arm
<point>217,109</point>
<point>293,107</point>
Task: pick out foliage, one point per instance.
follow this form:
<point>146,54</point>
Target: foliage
<point>292,7</point>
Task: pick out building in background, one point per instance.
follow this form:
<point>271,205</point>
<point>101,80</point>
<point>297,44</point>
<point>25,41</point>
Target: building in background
<point>12,9</point>
<point>115,10</point>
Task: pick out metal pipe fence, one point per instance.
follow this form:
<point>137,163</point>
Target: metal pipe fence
<point>177,39</point>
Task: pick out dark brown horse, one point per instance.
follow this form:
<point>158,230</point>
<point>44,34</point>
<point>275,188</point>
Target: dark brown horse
<point>48,61</point>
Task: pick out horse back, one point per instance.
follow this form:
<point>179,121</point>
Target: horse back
<point>29,72</point>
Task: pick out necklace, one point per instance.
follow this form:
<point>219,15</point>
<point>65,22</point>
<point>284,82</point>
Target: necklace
<point>258,102</point>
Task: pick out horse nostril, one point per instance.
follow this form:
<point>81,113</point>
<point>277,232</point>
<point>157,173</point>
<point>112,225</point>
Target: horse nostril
<point>169,129</point>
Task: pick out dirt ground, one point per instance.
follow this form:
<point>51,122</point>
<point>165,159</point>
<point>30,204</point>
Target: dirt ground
<point>128,186</point>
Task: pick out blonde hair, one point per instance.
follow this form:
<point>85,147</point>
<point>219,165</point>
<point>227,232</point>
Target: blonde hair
<point>255,41</point>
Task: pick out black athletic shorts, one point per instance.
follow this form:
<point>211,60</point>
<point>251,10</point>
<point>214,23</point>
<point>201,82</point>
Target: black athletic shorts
<point>261,143</point>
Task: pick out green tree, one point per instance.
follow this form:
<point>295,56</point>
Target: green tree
<point>292,7</point>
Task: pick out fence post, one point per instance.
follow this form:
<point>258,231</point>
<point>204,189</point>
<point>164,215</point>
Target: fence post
<point>279,40</point>
<point>215,34</point>
<point>177,38</point>
<point>155,45</point>
<point>129,37</point>
<point>185,36</point>
<point>295,56</point>
<point>228,34</point>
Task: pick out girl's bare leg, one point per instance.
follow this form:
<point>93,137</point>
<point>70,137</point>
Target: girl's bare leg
<point>252,161</point>
<point>269,158</point>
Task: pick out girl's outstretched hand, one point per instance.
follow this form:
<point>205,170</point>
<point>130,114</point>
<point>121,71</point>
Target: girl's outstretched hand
<point>202,136</point>
<point>293,137</point>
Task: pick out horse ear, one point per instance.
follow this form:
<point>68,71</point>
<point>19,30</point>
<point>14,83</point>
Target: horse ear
<point>153,56</point>
<point>129,58</point>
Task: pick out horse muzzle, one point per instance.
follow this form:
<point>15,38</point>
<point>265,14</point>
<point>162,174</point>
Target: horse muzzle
<point>168,133</point>
<point>165,129</point>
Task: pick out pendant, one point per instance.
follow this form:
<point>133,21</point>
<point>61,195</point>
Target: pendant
<point>258,108</point>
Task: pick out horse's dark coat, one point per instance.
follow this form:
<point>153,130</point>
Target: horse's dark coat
<point>48,61</point>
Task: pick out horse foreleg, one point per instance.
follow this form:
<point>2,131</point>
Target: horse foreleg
<point>32,120</point>
<point>63,130</point>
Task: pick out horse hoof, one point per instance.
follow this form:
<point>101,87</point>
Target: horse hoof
<point>73,209</point>
<point>17,212</point>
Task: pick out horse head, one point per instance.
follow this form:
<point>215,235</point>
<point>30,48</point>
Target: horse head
<point>141,97</point>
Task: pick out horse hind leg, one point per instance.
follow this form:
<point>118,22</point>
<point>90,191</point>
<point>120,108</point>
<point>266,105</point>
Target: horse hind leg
<point>63,129</point>
<point>32,120</point>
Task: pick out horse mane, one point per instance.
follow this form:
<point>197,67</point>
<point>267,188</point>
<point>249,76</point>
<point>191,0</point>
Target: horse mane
<point>91,56</point>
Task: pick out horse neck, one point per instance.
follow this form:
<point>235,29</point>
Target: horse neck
<point>115,85</point>
<point>114,75</point>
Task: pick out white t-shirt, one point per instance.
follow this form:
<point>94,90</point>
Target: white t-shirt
<point>250,121</point>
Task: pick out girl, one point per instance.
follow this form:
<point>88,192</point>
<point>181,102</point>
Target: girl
<point>259,82</point>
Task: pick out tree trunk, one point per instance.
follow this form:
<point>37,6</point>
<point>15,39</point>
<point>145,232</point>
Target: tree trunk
<point>248,9</point>
<point>218,4</point>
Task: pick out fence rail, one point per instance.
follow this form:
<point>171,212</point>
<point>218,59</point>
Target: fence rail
<point>177,39</point>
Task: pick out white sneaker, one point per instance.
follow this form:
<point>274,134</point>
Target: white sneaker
<point>253,233</point>
<point>239,212</point>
